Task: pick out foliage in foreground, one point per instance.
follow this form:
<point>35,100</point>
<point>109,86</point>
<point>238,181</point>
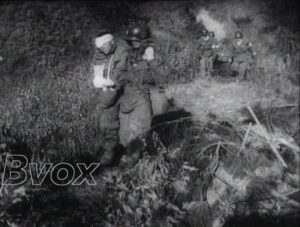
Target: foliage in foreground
<point>215,171</point>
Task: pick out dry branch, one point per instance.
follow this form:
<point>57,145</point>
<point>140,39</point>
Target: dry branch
<point>286,199</point>
<point>245,138</point>
<point>275,151</point>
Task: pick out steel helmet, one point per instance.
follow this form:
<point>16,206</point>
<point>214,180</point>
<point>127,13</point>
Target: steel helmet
<point>204,32</point>
<point>138,33</point>
<point>211,34</point>
<point>238,35</point>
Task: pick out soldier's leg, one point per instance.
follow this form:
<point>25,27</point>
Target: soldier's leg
<point>109,129</point>
<point>236,65</point>
<point>202,66</point>
<point>235,69</point>
<point>129,101</point>
<point>136,123</point>
<point>206,66</point>
<point>133,130</point>
<point>210,66</point>
<point>247,69</point>
<point>140,119</point>
<point>124,128</point>
<point>243,70</point>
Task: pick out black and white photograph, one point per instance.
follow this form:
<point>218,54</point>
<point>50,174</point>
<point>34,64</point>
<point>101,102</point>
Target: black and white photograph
<point>153,113</point>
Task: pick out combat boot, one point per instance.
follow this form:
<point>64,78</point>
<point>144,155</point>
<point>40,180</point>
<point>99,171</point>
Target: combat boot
<point>133,153</point>
<point>111,156</point>
<point>107,157</point>
<point>130,160</point>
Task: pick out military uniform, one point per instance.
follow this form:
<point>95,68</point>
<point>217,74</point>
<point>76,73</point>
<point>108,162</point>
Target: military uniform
<point>108,102</point>
<point>223,62</point>
<point>242,58</point>
<point>136,110</point>
<point>126,111</point>
<point>207,56</point>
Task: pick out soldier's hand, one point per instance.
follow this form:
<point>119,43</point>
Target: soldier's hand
<point>149,54</point>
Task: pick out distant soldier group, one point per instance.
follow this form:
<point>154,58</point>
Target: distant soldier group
<point>207,45</point>
<point>238,54</point>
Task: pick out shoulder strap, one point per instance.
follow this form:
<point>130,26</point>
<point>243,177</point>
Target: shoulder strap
<point>109,66</point>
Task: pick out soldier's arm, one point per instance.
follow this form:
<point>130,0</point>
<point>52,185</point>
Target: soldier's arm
<point>121,69</point>
<point>107,98</point>
<point>158,68</point>
<point>160,72</point>
<point>250,48</point>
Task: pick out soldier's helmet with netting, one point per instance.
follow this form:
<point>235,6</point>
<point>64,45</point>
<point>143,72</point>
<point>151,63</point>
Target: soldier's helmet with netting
<point>204,32</point>
<point>138,33</point>
<point>211,34</point>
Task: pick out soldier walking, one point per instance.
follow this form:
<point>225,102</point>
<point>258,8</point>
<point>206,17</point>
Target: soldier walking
<point>145,71</point>
<point>207,50</point>
<point>109,70</point>
<point>242,56</point>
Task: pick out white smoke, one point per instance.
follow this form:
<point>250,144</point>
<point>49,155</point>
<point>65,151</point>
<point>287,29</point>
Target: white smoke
<point>211,24</point>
